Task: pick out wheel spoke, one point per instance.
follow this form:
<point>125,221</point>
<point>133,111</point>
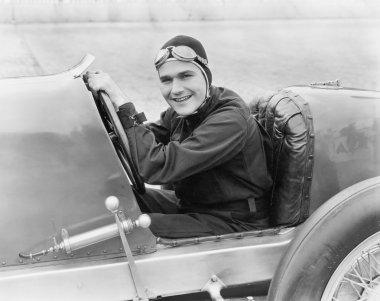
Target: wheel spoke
<point>352,284</point>
<point>357,277</point>
<point>369,267</point>
<point>372,256</point>
<point>362,281</point>
<point>359,265</point>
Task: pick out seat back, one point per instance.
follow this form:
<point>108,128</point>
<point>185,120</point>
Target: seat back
<point>288,121</point>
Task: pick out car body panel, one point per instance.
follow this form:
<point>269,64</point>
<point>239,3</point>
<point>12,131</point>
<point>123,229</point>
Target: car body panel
<point>57,168</point>
<point>347,142</point>
<point>169,271</point>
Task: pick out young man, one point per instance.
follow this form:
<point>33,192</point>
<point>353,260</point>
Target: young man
<point>206,144</point>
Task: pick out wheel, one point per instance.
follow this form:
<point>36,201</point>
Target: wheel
<point>120,140</point>
<point>358,275</point>
<point>331,247</point>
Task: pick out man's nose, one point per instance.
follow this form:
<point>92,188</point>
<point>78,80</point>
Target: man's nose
<point>177,87</point>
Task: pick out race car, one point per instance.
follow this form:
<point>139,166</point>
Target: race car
<point>71,228</point>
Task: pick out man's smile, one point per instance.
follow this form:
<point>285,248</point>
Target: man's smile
<point>183,86</point>
<point>181,99</point>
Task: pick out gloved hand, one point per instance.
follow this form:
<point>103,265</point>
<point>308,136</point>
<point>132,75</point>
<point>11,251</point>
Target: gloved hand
<point>100,81</point>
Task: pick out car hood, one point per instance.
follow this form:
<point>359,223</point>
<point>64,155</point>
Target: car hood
<point>57,166</point>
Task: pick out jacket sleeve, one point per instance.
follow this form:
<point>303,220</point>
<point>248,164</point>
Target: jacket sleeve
<point>161,128</point>
<point>218,139</point>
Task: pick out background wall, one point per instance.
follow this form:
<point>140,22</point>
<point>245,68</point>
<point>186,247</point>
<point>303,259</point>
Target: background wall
<point>31,11</point>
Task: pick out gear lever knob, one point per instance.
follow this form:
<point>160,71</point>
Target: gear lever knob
<point>143,221</point>
<point>112,203</point>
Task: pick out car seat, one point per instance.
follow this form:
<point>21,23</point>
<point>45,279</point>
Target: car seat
<point>287,119</point>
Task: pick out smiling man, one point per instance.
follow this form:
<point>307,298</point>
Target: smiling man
<point>206,145</point>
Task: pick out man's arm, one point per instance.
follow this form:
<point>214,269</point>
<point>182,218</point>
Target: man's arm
<point>214,142</point>
<point>101,81</point>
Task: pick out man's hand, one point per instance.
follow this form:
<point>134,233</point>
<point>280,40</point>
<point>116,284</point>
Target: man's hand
<point>100,81</point>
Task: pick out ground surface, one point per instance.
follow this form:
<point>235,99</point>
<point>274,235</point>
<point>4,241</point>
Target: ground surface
<point>245,56</point>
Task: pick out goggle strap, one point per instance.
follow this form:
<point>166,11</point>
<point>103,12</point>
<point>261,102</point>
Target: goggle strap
<point>205,76</point>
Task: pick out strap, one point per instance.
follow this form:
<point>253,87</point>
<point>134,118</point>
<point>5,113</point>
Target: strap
<point>261,207</point>
<point>252,205</point>
<point>130,121</point>
<point>139,117</point>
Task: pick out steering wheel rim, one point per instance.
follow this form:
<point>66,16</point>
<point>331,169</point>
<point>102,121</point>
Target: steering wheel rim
<point>121,140</point>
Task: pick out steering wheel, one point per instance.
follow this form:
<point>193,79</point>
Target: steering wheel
<point>119,140</point>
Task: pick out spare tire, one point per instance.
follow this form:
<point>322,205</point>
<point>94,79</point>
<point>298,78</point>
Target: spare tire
<point>317,264</point>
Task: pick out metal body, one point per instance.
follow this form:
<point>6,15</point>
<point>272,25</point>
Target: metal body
<point>58,166</point>
<point>347,140</point>
<point>169,271</point>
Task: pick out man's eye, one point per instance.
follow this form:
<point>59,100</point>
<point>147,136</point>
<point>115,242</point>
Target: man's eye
<point>187,75</point>
<point>165,80</point>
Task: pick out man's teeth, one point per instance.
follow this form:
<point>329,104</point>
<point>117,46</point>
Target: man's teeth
<point>182,98</point>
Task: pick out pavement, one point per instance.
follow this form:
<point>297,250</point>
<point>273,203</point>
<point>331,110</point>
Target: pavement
<point>246,56</point>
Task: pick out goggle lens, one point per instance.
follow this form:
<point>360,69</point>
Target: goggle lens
<point>161,57</point>
<point>182,53</point>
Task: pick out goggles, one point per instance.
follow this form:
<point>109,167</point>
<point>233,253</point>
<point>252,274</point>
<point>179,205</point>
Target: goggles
<point>181,53</point>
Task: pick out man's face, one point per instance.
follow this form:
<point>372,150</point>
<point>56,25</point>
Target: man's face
<point>183,86</point>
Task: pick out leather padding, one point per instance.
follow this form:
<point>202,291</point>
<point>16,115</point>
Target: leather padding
<point>288,121</point>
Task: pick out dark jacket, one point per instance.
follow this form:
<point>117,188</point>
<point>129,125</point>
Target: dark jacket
<point>215,158</point>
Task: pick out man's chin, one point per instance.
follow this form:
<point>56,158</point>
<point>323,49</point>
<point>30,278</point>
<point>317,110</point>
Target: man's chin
<point>182,112</point>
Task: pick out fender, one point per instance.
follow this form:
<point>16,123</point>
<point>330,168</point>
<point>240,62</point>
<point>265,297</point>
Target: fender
<point>323,241</point>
